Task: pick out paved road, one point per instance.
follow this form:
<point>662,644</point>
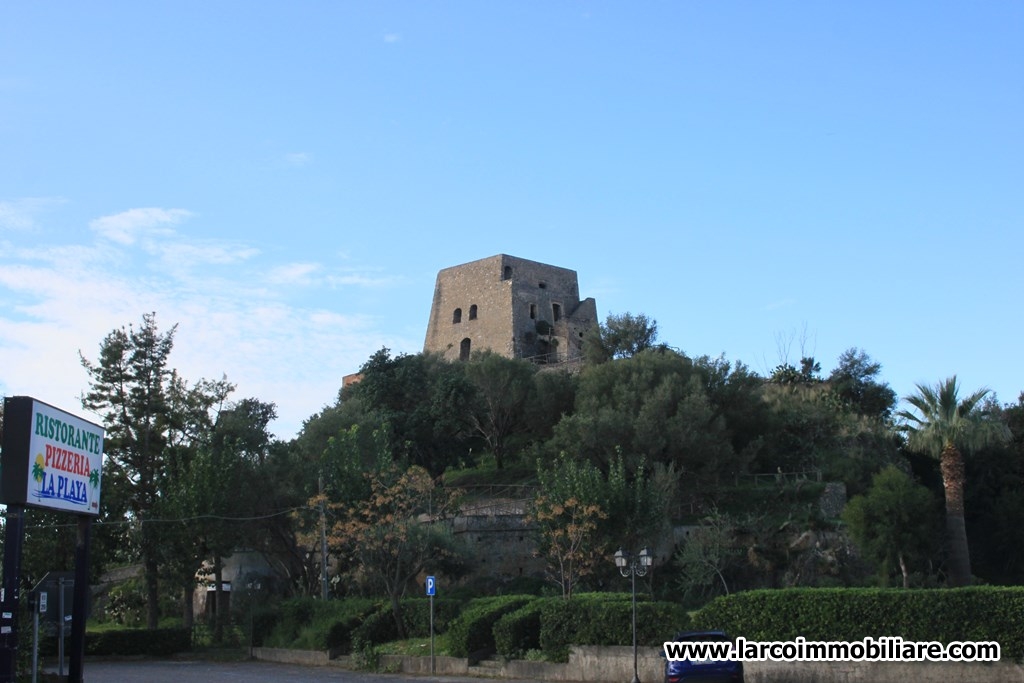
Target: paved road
<point>232,672</point>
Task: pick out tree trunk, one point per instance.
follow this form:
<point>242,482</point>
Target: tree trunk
<point>396,612</point>
<point>499,454</point>
<point>152,593</point>
<point>188,611</point>
<point>953,478</point>
<point>903,569</point>
<point>220,599</point>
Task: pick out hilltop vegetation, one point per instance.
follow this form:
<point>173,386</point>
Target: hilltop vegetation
<point>637,440</point>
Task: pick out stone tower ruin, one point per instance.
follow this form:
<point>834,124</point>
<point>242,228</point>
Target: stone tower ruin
<point>512,306</point>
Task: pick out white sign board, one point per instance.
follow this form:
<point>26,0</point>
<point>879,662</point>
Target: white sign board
<point>57,457</point>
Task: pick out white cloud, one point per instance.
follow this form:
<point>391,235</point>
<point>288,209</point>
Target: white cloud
<point>58,301</point>
<point>782,303</point>
<point>183,254</point>
<point>392,37</point>
<point>298,158</point>
<point>357,280</point>
<point>293,273</point>
<point>127,226</point>
<point>20,214</point>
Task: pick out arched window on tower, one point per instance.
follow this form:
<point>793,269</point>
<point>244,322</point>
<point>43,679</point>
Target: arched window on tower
<point>472,312</point>
<point>457,316</point>
<point>464,349</point>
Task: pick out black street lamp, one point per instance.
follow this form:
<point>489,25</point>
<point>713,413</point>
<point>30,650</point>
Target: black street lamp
<point>634,566</point>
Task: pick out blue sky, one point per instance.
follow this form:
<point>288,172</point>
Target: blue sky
<point>284,180</point>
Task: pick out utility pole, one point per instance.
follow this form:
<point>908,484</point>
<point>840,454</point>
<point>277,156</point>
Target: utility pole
<point>323,542</point>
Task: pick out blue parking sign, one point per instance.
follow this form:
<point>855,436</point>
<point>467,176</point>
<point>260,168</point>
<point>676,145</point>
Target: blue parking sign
<point>431,586</point>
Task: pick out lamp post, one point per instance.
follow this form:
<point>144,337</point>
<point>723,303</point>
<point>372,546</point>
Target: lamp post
<point>634,566</point>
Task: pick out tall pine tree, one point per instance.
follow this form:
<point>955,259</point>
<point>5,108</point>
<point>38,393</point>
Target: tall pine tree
<point>128,389</point>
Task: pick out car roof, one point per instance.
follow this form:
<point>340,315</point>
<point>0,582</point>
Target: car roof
<point>697,635</point>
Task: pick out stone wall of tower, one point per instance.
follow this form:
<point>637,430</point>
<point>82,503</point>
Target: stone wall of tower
<point>513,306</point>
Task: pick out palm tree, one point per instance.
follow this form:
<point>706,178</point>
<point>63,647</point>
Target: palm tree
<point>943,427</point>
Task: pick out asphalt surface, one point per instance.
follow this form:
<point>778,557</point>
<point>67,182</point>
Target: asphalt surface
<point>232,672</point>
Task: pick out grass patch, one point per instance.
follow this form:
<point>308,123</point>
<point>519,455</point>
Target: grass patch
<point>489,475</point>
<point>416,647</point>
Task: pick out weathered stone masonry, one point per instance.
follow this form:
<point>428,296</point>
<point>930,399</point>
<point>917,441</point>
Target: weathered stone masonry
<point>512,306</point>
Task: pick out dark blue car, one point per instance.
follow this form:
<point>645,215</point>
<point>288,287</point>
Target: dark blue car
<point>703,671</point>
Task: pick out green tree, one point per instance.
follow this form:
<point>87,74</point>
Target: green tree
<point>504,388</point>
<point>893,522</point>
<point>650,408</point>
<point>994,502</point>
<point>944,426</point>
<point>128,388</point>
<point>854,380</point>
<point>582,513</point>
<point>735,393</point>
<point>787,374</point>
<point>554,397</point>
<point>567,535</point>
<point>193,412</point>
<point>422,400</point>
<point>384,540</point>
<point>706,556</point>
<point>225,492</point>
<point>620,336</point>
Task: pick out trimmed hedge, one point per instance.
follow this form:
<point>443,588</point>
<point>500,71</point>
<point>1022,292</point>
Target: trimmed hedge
<point>978,613</point>
<point>416,615</point>
<point>518,632</point>
<point>308,623</point>
<point>379,626</point>
<point>473,631</point>
<point>153,643</point>
<point>339,633</point>
<point>597,619</point>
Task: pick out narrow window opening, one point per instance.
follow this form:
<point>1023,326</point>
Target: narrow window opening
<point>556,311</point>
<point>533,311</point>
<point>457,316</point>
<point>506,274</point>
<point>542,285</point>
<point>472,312</point>
<point>464,349</point>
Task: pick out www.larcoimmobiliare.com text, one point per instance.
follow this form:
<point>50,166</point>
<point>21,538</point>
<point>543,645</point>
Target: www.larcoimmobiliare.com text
<point>884,649</point>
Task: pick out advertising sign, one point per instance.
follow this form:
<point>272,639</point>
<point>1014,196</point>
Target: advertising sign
<point>51,459</point>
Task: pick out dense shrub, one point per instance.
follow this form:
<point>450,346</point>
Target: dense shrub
<point>826,614</point>
<point>310,624</point>
<point>518,632</point>
<point>472,630</point>
<point>154,643</point>
<point>344,620</point>
<point>263,622</point>
<point>598,619</point>
<point>416,615</point>
<point>126,604</point>
<point>378,627</point>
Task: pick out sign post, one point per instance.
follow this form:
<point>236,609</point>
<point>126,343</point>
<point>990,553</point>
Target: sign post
<point>14,535</point>
<point>50,460</point>
<point>431,589</point>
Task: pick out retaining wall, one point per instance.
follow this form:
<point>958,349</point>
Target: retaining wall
<point>615,665</point>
